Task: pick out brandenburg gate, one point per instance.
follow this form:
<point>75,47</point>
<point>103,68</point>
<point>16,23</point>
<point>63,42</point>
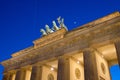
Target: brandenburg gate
<point>85,53</point>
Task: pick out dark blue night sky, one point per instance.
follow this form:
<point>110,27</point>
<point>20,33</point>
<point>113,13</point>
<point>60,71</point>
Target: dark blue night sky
<point>21,21</point>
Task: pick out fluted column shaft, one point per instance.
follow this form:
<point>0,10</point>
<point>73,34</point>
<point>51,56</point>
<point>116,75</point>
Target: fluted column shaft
<point>90,66</point>
<point>20,74</point>
<point>5,77</point>
<point>9,75</point>
<point>63,69</point>
<point>12,76</point>
<point>36,73</point>
<point>117,46</point>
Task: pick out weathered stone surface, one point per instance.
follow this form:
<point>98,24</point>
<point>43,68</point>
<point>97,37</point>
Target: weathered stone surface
<point>36,73</point>
<point>63,69</point>
<point>20,75</point>
<point>5,77</point>
<point>51,38</point>
<point>117,46</point>
<point>101,34</point>
<point>90,66</point>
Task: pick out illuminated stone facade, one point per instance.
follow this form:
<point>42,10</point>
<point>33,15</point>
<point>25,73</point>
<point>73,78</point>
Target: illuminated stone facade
<point>85,53</point>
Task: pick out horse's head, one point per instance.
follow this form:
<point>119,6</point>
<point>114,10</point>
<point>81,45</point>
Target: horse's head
<point>42,30</point>
<point>54,24</point>
<point>47,27</point>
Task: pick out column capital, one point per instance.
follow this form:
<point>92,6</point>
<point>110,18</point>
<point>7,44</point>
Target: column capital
<point>26,68</point>
<point>6,73</point>
<point>116,40</point>
<point>64,57</point>
<point>37,65</point>
<point>12,72</point>
<point>88,49</point>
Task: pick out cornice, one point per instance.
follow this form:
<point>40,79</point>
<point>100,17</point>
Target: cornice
<point>99,21</point>
<point>22,51</point>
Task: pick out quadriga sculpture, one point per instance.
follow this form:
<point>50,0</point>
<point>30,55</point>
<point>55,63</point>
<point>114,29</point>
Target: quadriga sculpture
<point>48,30</point>
<point>55,27</point>
<point>43,32</point>
<point>61,22</point>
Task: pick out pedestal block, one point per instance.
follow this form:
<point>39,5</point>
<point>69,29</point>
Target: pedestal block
<point>63,69</point>
<point>90,66</point>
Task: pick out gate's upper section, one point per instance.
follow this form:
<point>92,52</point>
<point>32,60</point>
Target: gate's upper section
<point>100,32</point>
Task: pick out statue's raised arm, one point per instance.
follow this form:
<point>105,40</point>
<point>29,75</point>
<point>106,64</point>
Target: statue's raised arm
<point>62,25</point>
<point>48,30</point>
<point>55,27</point>
<point>59,19</point>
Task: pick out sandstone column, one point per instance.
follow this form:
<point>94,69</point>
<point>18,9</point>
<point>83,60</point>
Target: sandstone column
<point>63,69</point>
<point>28,72</point>
<point>12,76</point>
<point>6,76</point>
<point>20,74</point>
<point>90,66</point>
<point>36,73</point>
<point>117,46</point>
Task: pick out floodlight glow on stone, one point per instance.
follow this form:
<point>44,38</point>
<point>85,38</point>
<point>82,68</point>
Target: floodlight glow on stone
<point>52,69</point>
<point>78,62</point>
